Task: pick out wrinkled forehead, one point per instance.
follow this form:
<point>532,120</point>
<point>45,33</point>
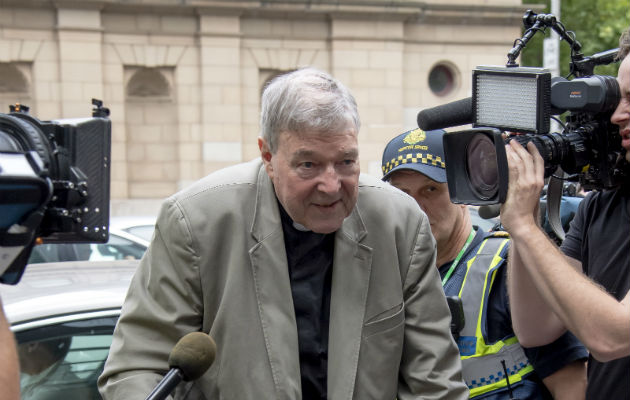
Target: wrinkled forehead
<point>321,122</point>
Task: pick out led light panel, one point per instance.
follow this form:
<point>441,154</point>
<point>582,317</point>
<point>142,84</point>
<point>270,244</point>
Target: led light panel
<point>514,99</point>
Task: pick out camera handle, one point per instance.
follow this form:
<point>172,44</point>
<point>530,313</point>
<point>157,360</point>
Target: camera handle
<point>554,198</point>
<point>539,22</point>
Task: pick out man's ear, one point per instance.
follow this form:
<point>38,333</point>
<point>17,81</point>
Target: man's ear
<point>266,155</point>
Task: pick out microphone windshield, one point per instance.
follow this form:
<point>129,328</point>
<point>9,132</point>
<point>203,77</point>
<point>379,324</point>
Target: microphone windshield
<point>193,354</point>
<point>489,211</point>
<point>447,115</point>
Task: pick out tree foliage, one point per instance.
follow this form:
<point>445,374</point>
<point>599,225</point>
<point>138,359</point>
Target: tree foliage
<point>596,24</point>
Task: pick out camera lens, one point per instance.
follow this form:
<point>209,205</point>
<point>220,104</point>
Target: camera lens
<point>481,162</point>
<point>22,133</point>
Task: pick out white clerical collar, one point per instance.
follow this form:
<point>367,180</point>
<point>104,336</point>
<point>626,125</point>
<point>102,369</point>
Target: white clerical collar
<point>300,227</point>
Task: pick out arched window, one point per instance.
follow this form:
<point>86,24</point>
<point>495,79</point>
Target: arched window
<point>12,80</point>
<point>14,85</point>
<point>148,83</point>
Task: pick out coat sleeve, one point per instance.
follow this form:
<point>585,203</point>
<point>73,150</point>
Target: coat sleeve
<point>162,305</point>
<point>430,366</point>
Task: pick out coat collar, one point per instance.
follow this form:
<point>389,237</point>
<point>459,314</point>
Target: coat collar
<point>351,275</point>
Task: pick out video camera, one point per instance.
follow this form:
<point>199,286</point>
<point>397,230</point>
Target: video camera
<point>54,183</point>
<point>521,101</point>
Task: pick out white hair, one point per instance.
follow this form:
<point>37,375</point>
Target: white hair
<point>306,100</point>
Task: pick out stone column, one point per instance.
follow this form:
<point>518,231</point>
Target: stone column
<point>221,110</point>
<point>367,55</point>
<point>80,59</point>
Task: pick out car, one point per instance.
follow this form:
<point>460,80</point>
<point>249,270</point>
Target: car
<point>133,227</point>
<point>63,316</point>
<point>129,237</point>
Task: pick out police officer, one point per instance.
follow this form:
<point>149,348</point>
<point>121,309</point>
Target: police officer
<point>472,265</point>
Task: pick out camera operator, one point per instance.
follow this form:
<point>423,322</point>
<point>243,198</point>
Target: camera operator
<point>548,292</point>
<point>10,371</point>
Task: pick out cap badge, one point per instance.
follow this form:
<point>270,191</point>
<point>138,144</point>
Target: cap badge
<point>415,136</point>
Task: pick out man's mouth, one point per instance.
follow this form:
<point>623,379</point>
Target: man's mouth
<point>327,205</point>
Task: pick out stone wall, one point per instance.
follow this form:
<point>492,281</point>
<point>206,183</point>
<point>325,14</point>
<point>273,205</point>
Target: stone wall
<point>183,81</point>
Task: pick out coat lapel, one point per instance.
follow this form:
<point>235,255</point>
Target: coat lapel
<point>350,282</point>
<point>273,292</point>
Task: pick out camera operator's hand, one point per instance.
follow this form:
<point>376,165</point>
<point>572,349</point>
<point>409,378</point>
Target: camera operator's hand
<point>519,213</point>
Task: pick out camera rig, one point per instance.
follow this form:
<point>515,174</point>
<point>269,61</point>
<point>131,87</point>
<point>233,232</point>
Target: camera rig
<point>54,183</point>
<point>519,102</point>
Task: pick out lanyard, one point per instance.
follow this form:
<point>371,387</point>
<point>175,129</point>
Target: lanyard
<point>456,261</point>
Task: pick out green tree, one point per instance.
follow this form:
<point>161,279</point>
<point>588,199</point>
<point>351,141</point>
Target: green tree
<point>596,24</point>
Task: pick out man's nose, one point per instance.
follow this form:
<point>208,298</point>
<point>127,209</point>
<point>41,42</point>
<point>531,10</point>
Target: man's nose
<point>329,180</point>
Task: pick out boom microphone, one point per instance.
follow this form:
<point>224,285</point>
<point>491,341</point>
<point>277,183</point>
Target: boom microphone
<point>189,360</point>
<point>450,114</point>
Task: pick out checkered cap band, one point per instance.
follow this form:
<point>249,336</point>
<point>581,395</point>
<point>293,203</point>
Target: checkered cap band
<point>412,158</point>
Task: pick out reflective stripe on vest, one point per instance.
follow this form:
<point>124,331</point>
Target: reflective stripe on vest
<point>481,363</point>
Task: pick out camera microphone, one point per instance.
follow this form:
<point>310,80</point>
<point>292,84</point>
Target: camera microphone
<point>189,360</point>
<point>489,211</point>
<point>447,115</point>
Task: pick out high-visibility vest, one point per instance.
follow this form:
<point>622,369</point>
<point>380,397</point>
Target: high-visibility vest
<point>482,366</point>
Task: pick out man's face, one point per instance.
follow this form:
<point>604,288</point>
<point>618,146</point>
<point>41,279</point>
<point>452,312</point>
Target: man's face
<point>315,176</point>
<point>621,116</point>
<point>434,200</point>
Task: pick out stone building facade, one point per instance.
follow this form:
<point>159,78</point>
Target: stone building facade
<point>183,78</point>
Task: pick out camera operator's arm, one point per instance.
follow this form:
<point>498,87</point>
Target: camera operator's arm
<point>10,372</point>
<point>534,322</point>
<point>596,318</point>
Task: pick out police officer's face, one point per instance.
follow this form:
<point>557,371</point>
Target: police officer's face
<point>444,216</point>
<point>621,116</point>
<point>315,176</point>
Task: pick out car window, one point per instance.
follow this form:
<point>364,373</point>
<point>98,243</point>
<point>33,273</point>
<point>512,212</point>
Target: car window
<point>142,231</point>
<point>116,248</point>
<point>63,361</point>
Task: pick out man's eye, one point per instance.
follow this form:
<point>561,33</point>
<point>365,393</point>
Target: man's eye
<point>307,164</point>
<point>346,163</point>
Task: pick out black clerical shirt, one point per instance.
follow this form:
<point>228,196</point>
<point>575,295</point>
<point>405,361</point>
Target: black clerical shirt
<point>310,259</point>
